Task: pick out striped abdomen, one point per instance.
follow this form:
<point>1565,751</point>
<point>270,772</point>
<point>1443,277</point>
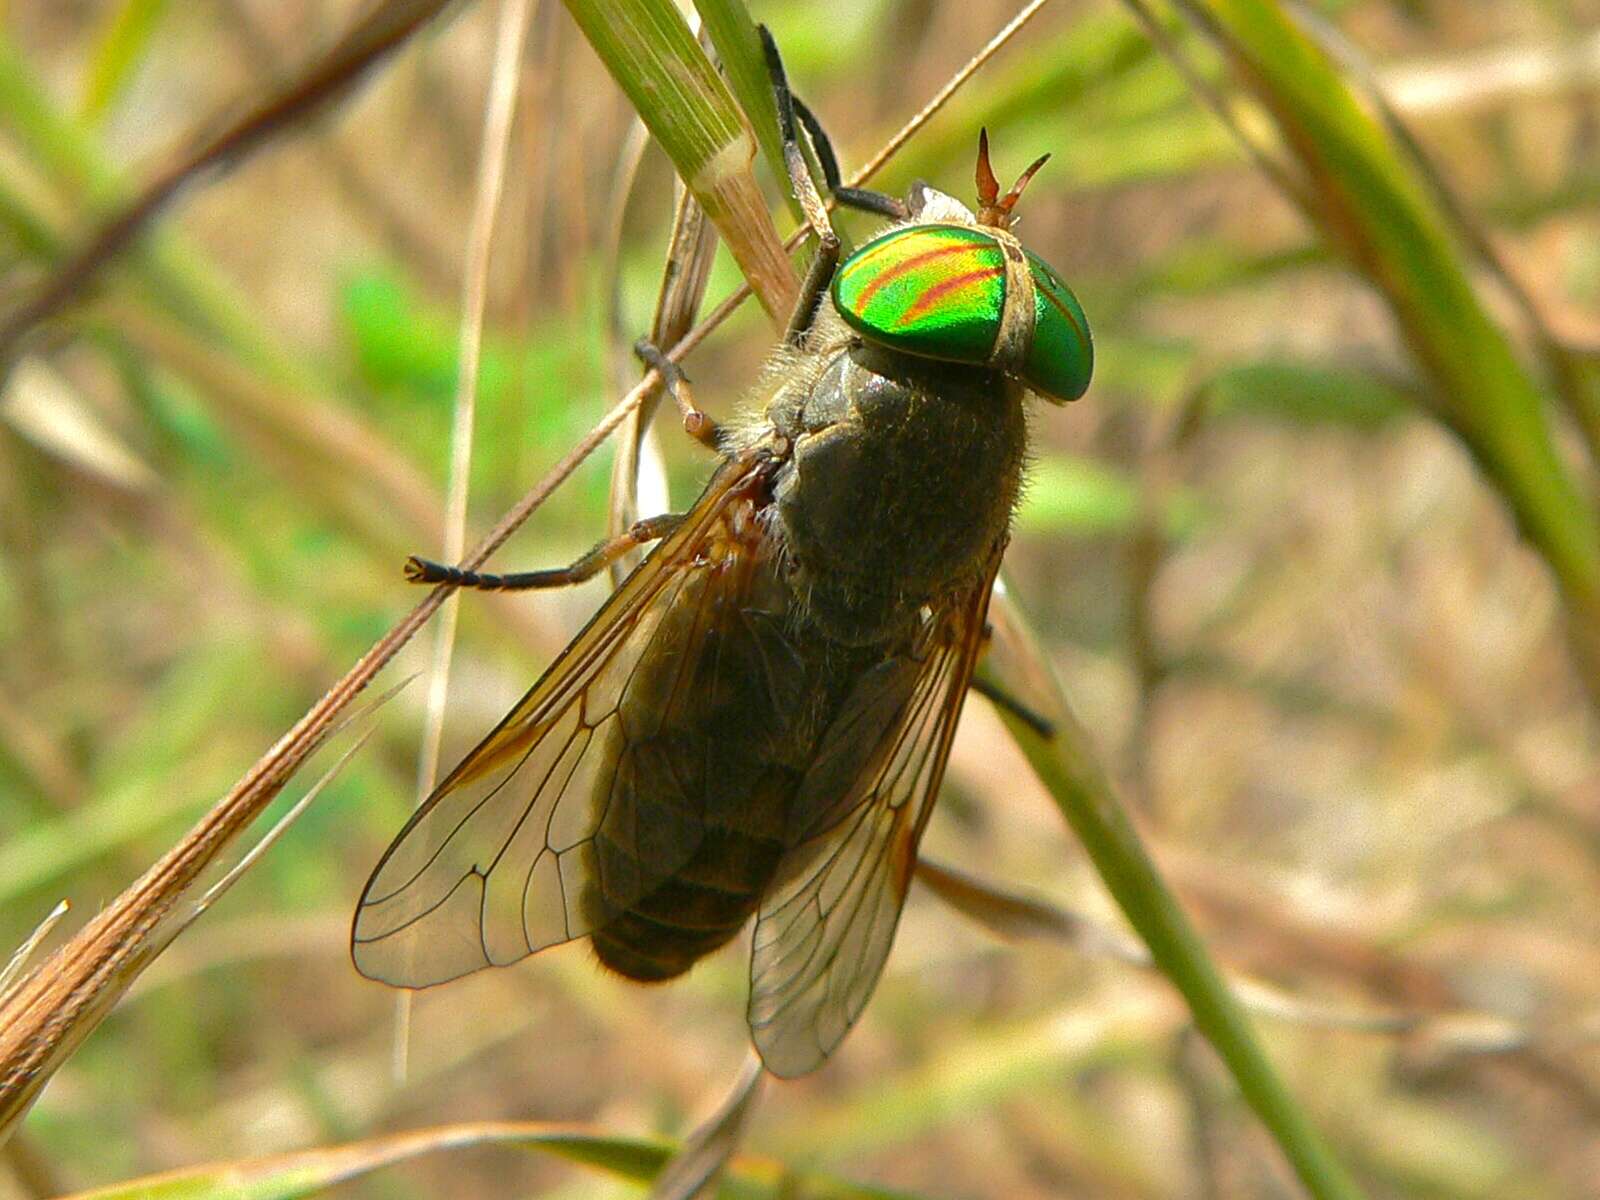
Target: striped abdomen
<point>717,727</point>
<point>723,827</point>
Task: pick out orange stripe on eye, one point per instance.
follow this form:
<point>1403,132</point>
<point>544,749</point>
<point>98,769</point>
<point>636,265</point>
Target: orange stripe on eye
<point>911,264</point>
<point>943,288</point>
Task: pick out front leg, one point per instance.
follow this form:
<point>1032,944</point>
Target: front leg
<point>820,273</point>
<point>866,200</point>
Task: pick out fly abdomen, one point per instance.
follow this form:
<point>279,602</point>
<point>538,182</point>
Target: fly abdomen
<point>715,730</point>
<point>688,846</point>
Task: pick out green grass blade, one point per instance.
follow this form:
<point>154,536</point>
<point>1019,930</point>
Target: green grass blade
<point>312,1172</point>
<point>1371,202</point>
<point>128,33</point>
<point>1066,763</point>
<point>652,54</point>
<point>738,45</point>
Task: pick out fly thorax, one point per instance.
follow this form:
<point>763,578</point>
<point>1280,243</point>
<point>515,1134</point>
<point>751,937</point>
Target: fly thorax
<point>902,481</point>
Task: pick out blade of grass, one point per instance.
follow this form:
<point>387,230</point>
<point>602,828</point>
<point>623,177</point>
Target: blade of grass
<point>1581,399</point>
<point>1369,200</point>
<point>41,405</point>
<point>20,957</point>
<point>704,1156</point>
<point>687,273</point>
<point>310,1172</point>
<point>129,29</point>
<point>654,57</point>
<point>47,1015</point>
<point>1066,763</point>
<point>738,47</point>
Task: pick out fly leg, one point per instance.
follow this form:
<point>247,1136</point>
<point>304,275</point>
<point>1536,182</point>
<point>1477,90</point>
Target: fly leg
<point>820,273</point>
<point>1000,698</point>
<point>420,570</point>
<point>697,423</point>
<point>790,108</point>
<point>865,199</point>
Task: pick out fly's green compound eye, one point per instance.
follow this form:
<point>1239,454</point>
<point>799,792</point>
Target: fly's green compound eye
<point>1061,358</point>
<point>938,291</point>
<point>931,290</point>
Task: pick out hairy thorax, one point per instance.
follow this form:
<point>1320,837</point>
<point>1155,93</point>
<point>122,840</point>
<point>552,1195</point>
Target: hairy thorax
<point>901,482</point>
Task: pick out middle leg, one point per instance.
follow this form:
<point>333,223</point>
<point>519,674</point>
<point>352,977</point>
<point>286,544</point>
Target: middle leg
<point>697,423</point>
<point>421,570</point>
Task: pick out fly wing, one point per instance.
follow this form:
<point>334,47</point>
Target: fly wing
<point>826,926</point>
<point>499,861</point>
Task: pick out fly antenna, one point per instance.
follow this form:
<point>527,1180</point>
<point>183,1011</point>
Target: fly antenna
<point>1010,199</point>
<point>988,185</point>
<point>993,208</point>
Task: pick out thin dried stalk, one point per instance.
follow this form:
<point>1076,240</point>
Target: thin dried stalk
<point>683,287</point>
<point>942,97</point>
<point>623,365</point>
<point>1267,161</point>
<point>49,1013</point>
<point>312,1172</point>
<point>1015,916</point>
<point>499,110</point>
<point>30,946</point>
<point>653,55</point>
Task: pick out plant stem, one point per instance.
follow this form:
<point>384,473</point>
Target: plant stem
<point>1068,766</point>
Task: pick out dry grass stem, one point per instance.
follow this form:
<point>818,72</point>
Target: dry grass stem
<point>21,956</point>
<point>498,113</point>
<point>45,1016</point>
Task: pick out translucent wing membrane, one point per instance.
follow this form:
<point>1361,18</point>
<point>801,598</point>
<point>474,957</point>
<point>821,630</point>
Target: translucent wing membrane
<point>827,924</point>
<point>499,861</point>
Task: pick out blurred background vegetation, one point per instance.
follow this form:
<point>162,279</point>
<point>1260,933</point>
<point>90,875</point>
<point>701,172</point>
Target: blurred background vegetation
<point>1273,552</point>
